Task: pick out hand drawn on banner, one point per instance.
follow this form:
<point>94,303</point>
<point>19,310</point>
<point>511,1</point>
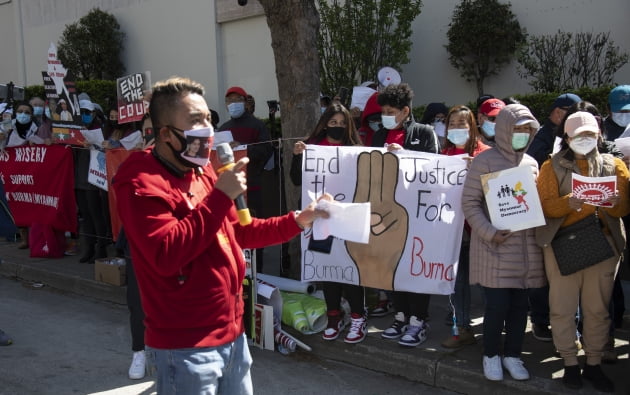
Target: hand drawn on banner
<point>416,219</point>
<point>377,177</point>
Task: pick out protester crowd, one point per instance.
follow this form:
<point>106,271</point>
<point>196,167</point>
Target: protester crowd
<point>519,272</point>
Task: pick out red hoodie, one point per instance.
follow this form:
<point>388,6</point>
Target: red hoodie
<point>371,107</point>
<point>186,248</point>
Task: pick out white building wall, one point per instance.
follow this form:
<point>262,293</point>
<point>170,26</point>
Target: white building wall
<point>183,38</point>
<point>434,79</point>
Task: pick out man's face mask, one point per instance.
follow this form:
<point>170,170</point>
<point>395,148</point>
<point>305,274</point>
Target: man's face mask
<point>38,111</point>
<point>621,118</point>
<point>488,128</point>
<point>236,110</point>
<point>196,145</point>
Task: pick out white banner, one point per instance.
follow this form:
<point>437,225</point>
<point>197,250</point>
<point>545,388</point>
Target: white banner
<point>416,218</point>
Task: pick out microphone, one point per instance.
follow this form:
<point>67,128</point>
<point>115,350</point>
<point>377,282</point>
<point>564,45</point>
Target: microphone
<point>226,157</point>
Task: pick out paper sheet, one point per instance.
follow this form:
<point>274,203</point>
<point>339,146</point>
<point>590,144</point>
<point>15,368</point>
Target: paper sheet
<point>348,221</point>
<point>94,137</point>
<point>623,143</point>
<point>130,142</point>
<point>360,96</point>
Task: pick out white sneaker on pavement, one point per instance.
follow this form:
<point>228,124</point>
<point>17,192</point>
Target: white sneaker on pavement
<point>492,368</point>
<point>138,365</point>
<point>515,367</point>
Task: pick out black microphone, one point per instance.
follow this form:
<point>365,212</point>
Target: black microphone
<point>226,157</point>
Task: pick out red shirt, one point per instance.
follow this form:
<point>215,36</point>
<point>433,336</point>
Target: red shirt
<point>395,136</point>
<point>185,243</point>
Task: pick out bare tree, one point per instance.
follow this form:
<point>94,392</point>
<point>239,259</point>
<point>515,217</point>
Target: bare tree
<point>294,27</point>
<point>567,61</point>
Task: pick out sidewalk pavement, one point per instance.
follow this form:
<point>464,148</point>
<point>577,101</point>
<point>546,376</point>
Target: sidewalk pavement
<point>456,370</point>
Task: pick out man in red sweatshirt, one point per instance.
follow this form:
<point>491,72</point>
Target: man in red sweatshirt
<point>186,242</point>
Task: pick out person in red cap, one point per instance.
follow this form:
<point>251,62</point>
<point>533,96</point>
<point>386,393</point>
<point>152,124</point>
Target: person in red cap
<point>488,110</point>
<point>248,130</point>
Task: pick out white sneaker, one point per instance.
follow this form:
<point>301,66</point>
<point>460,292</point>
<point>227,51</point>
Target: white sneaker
<point>138,365</point>
<point>516,368</point>
<point>492,368</point>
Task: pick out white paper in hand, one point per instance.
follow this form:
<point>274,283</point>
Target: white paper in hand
<point>347,221</point>
<point>132,141</point>
<point>94,136</point>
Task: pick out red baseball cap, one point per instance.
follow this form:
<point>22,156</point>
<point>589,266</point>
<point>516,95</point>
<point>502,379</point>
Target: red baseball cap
<point>236,89</point>
<point>492,107</point>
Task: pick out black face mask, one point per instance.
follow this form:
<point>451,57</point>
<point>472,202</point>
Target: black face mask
<point>178,153</point>
<point>335,133</point>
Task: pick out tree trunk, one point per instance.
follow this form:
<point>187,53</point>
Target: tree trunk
<point>294,26</point>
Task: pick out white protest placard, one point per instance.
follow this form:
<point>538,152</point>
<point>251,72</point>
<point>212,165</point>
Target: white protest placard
<point>512,199</point>
<point>97,173</point>
<point>623,144</point>
<point>360,96</point>
<point>94,136</point>
<point>416,220</point>
<point>131,90</point>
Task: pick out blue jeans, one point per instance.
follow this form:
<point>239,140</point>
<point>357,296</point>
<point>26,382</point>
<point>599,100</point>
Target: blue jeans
<point>461,295</point>
<point>211,370</point>
<point>504,307</point>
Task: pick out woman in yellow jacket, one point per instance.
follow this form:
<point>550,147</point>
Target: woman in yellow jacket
<point>590,287</point>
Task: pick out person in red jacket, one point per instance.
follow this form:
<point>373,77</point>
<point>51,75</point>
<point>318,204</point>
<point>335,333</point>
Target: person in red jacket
<point>185,242</point>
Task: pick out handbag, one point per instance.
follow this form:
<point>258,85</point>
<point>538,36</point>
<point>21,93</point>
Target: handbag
<point>581,245</point>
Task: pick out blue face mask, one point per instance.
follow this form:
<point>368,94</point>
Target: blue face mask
<point>375,126</point>
<point>23,118</point>
<point>488,128</point>
<point>457,136</point>
<point>236,109</point>
<point>47,112</point>
<point>87,118</point>
<point>38,111</point>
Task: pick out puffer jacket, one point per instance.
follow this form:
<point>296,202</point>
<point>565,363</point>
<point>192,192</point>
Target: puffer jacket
<point>518,261</point>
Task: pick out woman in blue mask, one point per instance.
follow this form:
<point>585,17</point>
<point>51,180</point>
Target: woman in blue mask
<point>23,128</point>
<point>92,201</point>
<point>22,131</point>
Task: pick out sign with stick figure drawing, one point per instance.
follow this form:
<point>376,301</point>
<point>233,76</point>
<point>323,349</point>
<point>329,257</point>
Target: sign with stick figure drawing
<point>512,199</point>
<point>416,220</point>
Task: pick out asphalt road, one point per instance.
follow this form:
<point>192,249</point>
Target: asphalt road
<point>68,344</point>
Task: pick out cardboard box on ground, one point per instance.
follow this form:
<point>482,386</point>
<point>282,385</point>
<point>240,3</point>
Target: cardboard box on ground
<point>110,271</point>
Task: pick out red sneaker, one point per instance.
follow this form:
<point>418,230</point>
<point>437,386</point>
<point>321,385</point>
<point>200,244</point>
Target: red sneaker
<point>358,329</point>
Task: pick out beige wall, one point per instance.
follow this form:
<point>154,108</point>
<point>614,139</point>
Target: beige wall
<point>182,37</point>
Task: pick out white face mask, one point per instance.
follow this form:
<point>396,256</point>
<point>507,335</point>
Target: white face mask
<point>198,146</point>
<point>440,128</point>
<point>621,118</point>
<point>389,121</point>
<point>583,145</point>
<point>457,136</point>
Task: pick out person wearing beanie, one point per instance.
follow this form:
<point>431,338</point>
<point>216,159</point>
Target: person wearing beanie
<point>434,115</point>
<point>619,117</point>
<point>542,146</point>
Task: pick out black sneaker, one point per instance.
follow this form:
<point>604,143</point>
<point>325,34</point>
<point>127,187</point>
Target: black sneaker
<point>599,380</point>
<point>542,332</point>
<point>572,378</point>
<point>398,328</point>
